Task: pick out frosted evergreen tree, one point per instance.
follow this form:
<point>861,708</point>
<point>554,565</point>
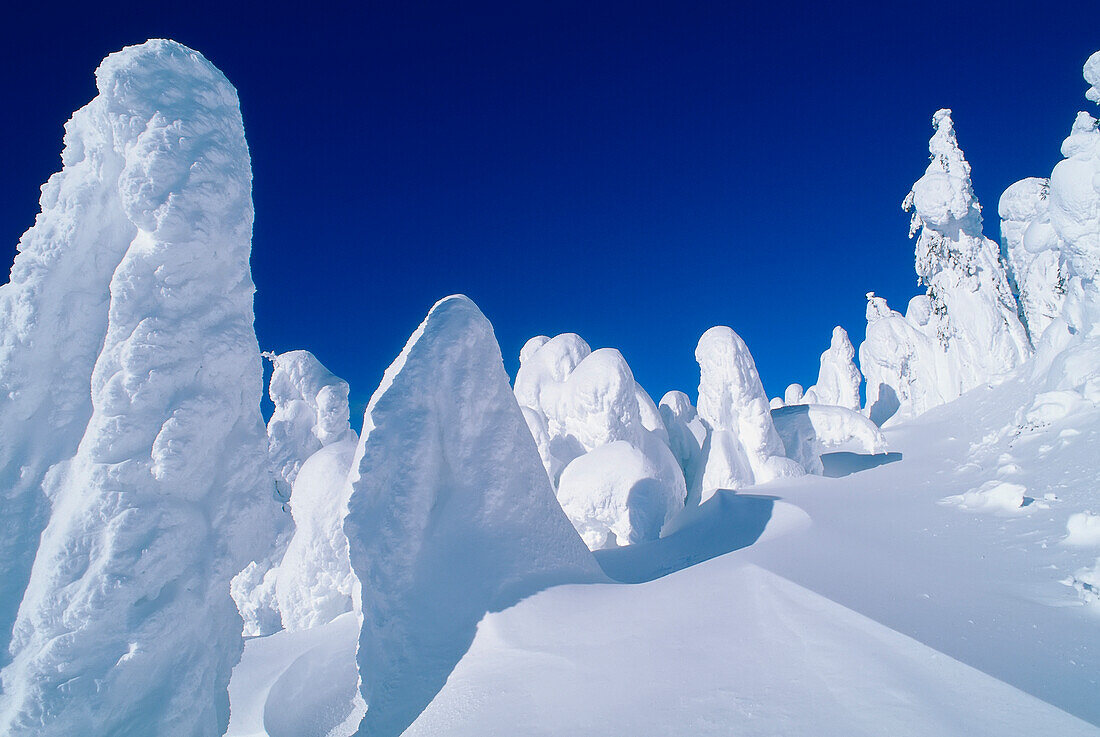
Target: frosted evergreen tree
<point>974,314</point>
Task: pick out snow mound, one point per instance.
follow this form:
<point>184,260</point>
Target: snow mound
<point>1086,582</point>
<point>1092,76</point>
<point>576,402</point>
<point>742,446</point>
<point>995,496</point>
<point>127,626</point>
<point>451,513</point>
<point>810,430</point>
<point>1083,529</point>
<point>616,494</point>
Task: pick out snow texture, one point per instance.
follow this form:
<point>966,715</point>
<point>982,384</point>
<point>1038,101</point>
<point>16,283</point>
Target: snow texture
<point>810,430</point>
<point>1083,530</point>
<point>311,413</point>
<point>838,379</point>
<point>311,410</point>
<point>451,514</point>
<point>577,402</point>
<point>792,394</point>
<point>742,446</point>
<point>127,626</point>
<point>686,434</point>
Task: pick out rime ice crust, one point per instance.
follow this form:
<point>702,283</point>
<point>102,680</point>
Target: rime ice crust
<point>127,626</point>
<point>742,446</point>
<point>451,514</point>
<point>577,401</point>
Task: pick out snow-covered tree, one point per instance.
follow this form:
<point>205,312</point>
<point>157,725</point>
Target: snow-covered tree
<point>838,379</point>
<point>451,514</point>
<point>127,626</point>
<point>304,580</point>
<point>742,446</point>
<point>974,314</point>
<point>577,401</point>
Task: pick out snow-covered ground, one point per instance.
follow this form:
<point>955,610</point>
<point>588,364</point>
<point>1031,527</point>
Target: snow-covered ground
<point>855,604</point>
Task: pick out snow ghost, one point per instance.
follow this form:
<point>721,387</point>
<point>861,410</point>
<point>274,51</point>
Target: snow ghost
<point>451,514</point>
<point>742,446</point>
<point>127,626</point>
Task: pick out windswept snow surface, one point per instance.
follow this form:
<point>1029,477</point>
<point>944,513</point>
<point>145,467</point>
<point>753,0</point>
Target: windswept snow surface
<point>451,515</point>
<point>127,626</point>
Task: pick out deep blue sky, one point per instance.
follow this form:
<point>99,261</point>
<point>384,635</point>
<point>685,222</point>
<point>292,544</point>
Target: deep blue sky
<point>633,172</point>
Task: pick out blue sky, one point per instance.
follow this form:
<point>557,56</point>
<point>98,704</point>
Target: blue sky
<point>633,172</point>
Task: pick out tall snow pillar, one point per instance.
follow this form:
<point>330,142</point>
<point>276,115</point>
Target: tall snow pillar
<point>127,627</point>
<point>451,514</point>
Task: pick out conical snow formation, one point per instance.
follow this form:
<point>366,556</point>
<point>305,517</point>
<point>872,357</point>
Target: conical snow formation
<point>974,315</point>
<point>838,379</point>
<point>304,581</point>
<point>127,626</point>
<point>576,402</point>
<point>742,446</point>
<point>451,514</point>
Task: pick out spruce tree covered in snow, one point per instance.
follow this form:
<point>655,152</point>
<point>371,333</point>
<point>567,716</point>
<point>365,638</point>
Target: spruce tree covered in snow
<point>966,329</point>
<point>742,446</point>
<point>451,514</point>
<point>974,313</point>
<point>127,626</point>
<point>686,434</point>
<point>838,379</point>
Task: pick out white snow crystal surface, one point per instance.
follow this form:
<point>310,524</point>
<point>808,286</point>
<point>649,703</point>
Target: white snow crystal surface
<point>1083,529</point>
<point>127,627</point>
<point>451,515</point>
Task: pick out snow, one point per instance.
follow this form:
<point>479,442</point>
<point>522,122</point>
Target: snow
<point>311,414</point>
<point>1083,529</point>
<point>578,402</point>
<point>451,514</point>
<point>686,434</point>
<point>742,445</point>
<point>792,394</point>
<point>127,626</point>
<point>809,431</point>
<point>993,496</point>
<point>311,410</point>
<point>838,379</point>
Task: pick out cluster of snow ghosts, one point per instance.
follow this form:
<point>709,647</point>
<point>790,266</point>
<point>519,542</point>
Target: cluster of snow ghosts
<point>966,330</point>
<point>132,381</point>
<point>451,514</point>
<point>306,579</point>
<point>602,441</point>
